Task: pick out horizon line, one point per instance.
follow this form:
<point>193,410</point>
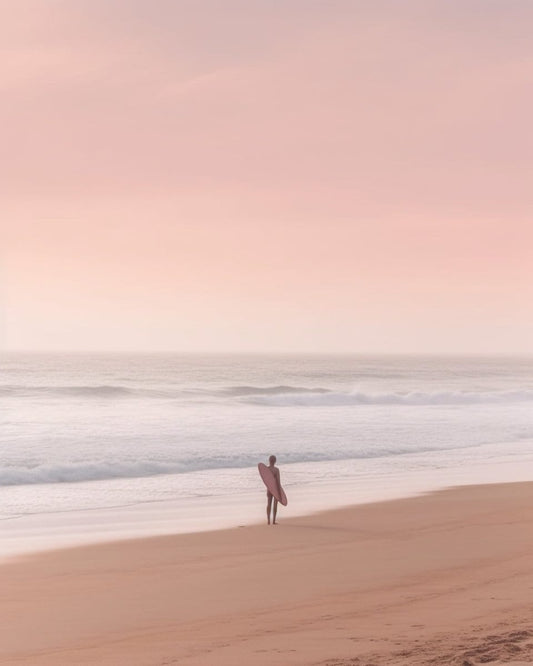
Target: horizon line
<point>177,352</point>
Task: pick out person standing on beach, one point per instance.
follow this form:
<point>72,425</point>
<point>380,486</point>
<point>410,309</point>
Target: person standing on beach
<point>275,472</point>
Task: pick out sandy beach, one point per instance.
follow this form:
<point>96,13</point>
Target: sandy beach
<point>445,578</point>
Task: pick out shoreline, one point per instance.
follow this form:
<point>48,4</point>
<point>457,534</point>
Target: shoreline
<point>392,582</point>
<point>36,532</point>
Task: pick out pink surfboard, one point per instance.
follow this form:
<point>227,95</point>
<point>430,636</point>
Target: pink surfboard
<point>270,482</point>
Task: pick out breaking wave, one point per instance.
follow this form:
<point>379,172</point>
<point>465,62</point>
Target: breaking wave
<point>417,398</point>
<point>275,396</point>
<point>102,470</point>
<point>86,471</point>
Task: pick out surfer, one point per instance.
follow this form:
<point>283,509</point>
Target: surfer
<point>275,472</point>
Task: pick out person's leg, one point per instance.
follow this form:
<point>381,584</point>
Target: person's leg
<point>275,511</point>
<point>269,505</point>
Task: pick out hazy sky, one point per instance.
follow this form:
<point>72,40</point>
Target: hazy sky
<point>267,175</point>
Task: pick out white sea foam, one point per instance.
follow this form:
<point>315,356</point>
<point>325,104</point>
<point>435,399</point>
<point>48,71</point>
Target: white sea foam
<point>420,398</point>
<point>74,472</point>
<point>85,471</point>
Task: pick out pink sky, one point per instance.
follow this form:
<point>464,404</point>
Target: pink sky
<point>252,175</point>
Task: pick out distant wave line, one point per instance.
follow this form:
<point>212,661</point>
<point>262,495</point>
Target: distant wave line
<point>411,398</point>
<point>274,396</point>
<point>114,391</point>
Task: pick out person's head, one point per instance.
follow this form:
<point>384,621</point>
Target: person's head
<point>272,460</point>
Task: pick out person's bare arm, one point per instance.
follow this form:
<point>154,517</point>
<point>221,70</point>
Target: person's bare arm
<point>278,480</point>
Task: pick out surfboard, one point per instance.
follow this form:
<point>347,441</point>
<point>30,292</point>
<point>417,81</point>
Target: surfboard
<point>270,482</point>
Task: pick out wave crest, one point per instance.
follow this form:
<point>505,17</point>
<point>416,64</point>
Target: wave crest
<point>275,396</point>
<point>272,390</point>
<point>412,398</point>
<point>87,391</point>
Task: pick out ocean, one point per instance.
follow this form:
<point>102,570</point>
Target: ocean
<point>105,446</point>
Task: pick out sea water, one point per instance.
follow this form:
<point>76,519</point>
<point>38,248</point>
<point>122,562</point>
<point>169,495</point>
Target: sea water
<point>103,446</point>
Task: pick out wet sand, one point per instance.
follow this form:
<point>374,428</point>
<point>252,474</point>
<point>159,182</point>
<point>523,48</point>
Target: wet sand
<point>445,578</point>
